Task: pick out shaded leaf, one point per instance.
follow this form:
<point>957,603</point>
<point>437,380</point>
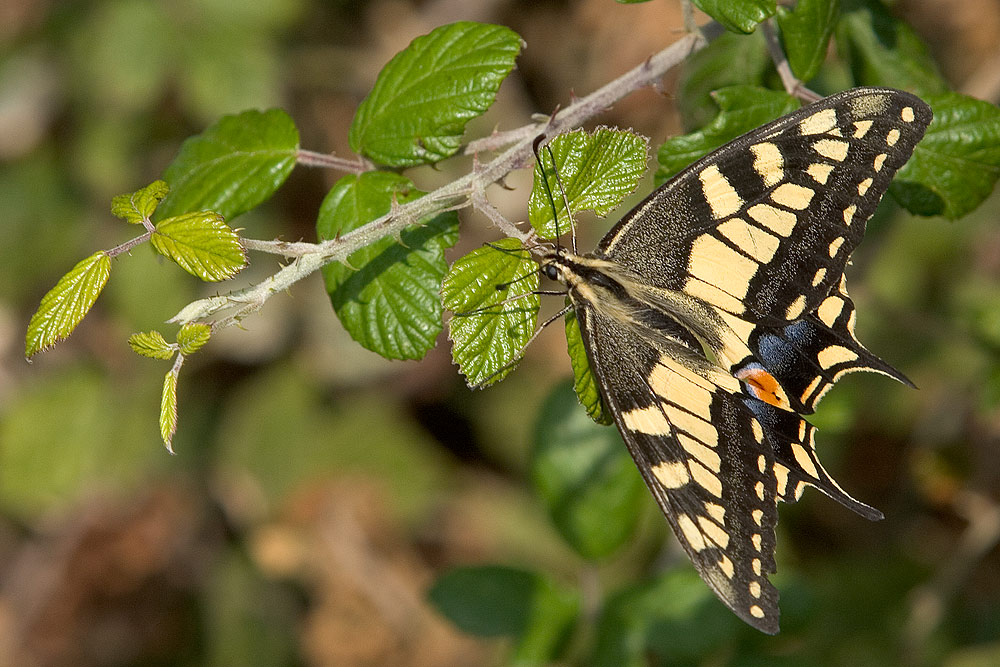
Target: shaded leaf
<point>202,244</point>
<point>596,171</point>
<point>151,344</point>
<point>497,601</point>
<point>805,34</point>
<point>737,15</point>
<point>66,304</point>
<point>424,96</point>
<point>193,336</point>
<point>584,382</point>
<point>741,109</point>
<point>491,293</point>
<point>391,304</point>
<point>884,51</point>
<point>139,205</point>
<point>729,60</point>
<point>232,166</point>
<point>585,477</point>
<point>957,163</point>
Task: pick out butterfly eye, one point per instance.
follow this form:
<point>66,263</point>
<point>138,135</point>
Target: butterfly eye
<point>550,271</point>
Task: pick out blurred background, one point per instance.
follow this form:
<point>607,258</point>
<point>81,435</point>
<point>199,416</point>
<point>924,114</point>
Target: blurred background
<point>318,489</point>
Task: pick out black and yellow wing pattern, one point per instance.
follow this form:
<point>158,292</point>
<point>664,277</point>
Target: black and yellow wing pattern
<point>716,313</point>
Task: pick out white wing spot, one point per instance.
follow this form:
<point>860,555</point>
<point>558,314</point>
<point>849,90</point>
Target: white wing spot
<point>793,196</point>
<point>833,355</point>
<point>863,186</point>
<point>714,532</point>
<point>879,161</point>
<point>820,172</point>
<point>758,516</point>
<point>758,433</point>
<point>691,533</point>
<point>819,122</point>
<point>849,214</point>
<point>755,589</point>
<point>756,612</point>
<point>672,475</point>
<point>892,137</point>
<point>759,490</point>
<point>835,245</point>
<point>726,565</point>
<point>768,163</point>
<point>757,542</point>
<point>781,476</point>
<point>717,512</point>
<point>796,309</point>
<point>778,221</point>
<point>750,239</point>
<point>755,564</point>
<point>907,114</point>
<point>762,463</point>
<point>861,128</point>
<point>832,149</point>
<point>804,460</point>
<point>722,198</point>
<point>818,278</point>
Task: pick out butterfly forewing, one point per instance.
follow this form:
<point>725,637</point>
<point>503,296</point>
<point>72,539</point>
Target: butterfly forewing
<point>764,226</point>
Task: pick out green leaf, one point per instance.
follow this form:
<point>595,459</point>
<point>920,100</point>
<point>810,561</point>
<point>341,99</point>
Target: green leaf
<point>139,205</point>
<point>884,51</point>
<point>596,171</point>
<point>491,293</point>
<point>957,163</point>
<point>193,336</point>
<point>729,60</point>
<point>424,96</point>
<point>66,304</point>
<point>202,244</point>
<point>585,477</point>
<point>673,619</point>
<point>584,382</point>
<point>805,34</point>
<point>391,304</point>
<point>741,109</point>
<point>151,344</point>
<point>497,601</point>
<point>168,408</point>
<point>232,166</point>
<point>737,15</point>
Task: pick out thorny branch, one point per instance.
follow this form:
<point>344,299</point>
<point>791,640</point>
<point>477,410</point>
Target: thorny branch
<point>309,257</point>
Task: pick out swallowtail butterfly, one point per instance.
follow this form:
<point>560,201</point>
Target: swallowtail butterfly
<point>715,313</point>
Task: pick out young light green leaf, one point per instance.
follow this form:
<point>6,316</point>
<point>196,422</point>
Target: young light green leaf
<point>584,382</point>
<point>66,304</point>
<point>202,244</point>
<point>884,51</point>
<point>491,293</point>
<point>737,15</point>
<point>805,34</point>
<point>498,601</point>
<point>387,296</point>
<point>151,344</point>
<point>596,171</point>
<point>741,109</point>
<point>728,60</point>
<point>424,96</point>
<point>168,408</point>
<point>957,163</point>
<point>137,206</point>
<point>585,477</point>
<point>192,337</point>
<point>232,166</point>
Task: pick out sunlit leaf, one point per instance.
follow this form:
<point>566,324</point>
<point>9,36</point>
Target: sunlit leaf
<point>151,344</point>
<point>193,336</point>
<point>139,205</point>
<point>66,304</point>
<point>202,244</point>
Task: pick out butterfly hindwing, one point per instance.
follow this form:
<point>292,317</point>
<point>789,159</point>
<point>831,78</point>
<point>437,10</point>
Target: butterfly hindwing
<point>763,227</point>
<point>701,453</point>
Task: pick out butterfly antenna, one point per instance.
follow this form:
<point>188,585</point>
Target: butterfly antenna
<point>562,190</point>
<point>524,347</point>
<point>545,181</point>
